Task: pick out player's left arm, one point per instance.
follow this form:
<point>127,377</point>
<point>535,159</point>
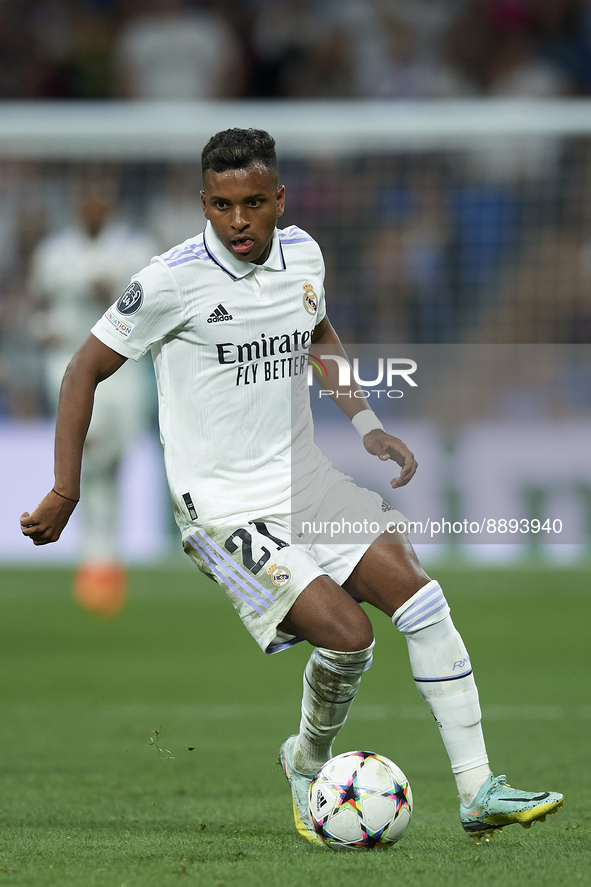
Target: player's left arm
<point>92,363</point>
<point>376,441</point>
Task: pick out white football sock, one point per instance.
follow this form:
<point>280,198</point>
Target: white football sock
<point>331,680</point>
<point>470,781</point>
<point>443,675</point>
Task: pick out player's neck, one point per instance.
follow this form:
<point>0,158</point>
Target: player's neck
<point>265,255</point>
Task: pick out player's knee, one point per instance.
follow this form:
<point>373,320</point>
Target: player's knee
<point>408,573</point>
<point>354,634</point>
<point>411,583</point>
<point>362,640</point>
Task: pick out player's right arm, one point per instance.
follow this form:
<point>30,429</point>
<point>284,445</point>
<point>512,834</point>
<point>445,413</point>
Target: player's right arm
<point>92,363</point>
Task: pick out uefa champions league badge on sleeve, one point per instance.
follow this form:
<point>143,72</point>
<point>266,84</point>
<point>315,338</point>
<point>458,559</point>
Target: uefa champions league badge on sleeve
<point>310,299</point>
<point>131,300</point>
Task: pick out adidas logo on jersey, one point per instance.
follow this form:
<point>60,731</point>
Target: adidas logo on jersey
<point>219,315</point>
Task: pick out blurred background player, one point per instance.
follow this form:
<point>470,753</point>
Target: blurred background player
<point>74,276</point>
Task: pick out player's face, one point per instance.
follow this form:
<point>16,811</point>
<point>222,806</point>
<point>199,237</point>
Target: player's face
<point>243,206</point>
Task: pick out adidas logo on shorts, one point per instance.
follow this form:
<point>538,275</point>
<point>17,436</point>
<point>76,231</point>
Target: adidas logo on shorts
<point>219,315</point>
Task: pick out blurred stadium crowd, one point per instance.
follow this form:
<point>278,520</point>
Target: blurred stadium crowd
<point>189,49</point>
<point>449,246</point>
<point>472,244</point>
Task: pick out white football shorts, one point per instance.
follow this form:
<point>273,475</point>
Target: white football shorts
<point>262,566</point>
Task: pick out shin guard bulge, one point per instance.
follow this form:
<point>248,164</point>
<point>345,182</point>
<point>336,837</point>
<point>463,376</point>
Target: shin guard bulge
<point>331,680</point>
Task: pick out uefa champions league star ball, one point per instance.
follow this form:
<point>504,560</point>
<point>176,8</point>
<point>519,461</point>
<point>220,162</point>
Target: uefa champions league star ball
<point>360,800</point>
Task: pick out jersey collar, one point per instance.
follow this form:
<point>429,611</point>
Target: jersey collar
<point>233,266</point>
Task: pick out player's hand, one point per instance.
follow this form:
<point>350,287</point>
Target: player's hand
<point>47,522</point>
<point>384,446</point>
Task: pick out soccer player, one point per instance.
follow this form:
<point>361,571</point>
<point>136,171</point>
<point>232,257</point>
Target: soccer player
<point>229,317</point>
<point>75,274</point>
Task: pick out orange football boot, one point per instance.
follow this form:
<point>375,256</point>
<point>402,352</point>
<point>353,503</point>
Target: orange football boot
<point>101,588</point>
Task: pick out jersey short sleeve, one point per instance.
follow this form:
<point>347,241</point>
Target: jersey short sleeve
<point>146,312</point>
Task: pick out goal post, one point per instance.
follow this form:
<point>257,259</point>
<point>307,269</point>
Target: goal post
<point>169,131</point>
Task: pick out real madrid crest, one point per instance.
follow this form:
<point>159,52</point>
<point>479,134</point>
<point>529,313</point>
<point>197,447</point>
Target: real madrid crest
<point>279,575</point>
<point>310,299</point>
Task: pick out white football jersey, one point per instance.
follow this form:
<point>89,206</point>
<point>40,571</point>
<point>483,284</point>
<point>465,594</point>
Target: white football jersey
<point>229,341</point>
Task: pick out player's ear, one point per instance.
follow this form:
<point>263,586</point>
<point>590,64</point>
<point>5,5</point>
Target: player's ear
<point>280,194</point>
<point>204,203</point>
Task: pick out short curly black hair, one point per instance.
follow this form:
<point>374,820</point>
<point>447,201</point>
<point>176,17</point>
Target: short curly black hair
<point>237,149</point>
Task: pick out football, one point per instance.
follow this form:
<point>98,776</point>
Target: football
<point>360,800</point>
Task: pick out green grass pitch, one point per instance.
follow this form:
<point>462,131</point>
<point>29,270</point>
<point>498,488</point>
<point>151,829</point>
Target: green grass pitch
<point>142,752</point>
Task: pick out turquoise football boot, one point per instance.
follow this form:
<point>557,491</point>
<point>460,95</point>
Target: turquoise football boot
<point>299,784</point>
<point>497,805</point>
